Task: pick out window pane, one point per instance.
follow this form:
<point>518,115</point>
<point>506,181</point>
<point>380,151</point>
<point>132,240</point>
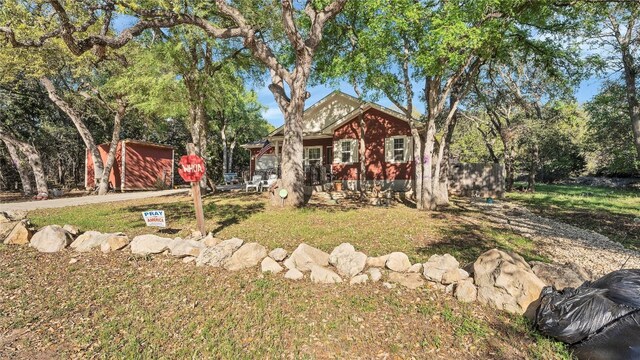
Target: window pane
<point>398,149</point>
<point>346,151</point>
<point>314,154</point>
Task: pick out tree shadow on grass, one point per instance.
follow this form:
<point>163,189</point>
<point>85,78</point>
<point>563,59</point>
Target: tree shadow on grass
<point>231,214</point>
<point>225,214</point>
<point>466,240</point>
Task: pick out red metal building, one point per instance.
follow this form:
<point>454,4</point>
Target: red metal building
<point>138,165</point>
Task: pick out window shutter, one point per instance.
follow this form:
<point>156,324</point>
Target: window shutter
<point>388,150</point>
<point>354,150</point>
<point>408,149</point>
<point>337,152</point>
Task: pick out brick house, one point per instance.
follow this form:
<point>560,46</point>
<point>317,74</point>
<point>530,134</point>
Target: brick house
<point>331,140</point>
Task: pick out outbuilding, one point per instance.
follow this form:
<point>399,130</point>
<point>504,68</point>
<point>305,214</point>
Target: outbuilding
<point>138,165</point>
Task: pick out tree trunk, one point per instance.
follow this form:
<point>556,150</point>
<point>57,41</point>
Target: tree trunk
<point>231,149</point>
<point>197,128</point>
<point>418,165</point>
<point>23,171</point>
<point>533,167</point>
<point>630,74</point>
<point>225,159</point>
<point>35,162</point>
<point>443,176</point>
<point>111,157</point>
<point>362,155</point>
<point>292,147</point>
<point>89,142</point>
<point>428,197</point>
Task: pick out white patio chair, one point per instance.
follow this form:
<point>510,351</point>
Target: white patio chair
<point>266,184</point>
<point>256,182</point>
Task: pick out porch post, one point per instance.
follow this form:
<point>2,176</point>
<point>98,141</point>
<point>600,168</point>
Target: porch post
<point>277,158</point>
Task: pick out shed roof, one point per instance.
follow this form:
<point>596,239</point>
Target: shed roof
<point>143,143</point>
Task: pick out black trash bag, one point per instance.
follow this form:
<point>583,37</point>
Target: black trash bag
<point>601,320</point>
<point>618,341</point>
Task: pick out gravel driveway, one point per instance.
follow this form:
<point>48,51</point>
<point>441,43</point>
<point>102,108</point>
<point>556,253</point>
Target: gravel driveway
<point>84,200</point>
<point>562,242</point>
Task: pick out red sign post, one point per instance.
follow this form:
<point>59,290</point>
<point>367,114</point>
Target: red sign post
<point>192,169</point>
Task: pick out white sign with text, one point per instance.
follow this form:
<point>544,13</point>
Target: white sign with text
<point>154,218</point>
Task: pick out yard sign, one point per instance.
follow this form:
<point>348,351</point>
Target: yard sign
<point>154,218</point>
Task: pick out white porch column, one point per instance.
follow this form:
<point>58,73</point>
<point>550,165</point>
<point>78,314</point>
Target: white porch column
<point>277,156</point>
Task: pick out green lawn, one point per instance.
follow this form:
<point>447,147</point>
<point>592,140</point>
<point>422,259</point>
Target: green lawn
<point>120,306</point>
<point>374,230</point>
<point>611,212</point>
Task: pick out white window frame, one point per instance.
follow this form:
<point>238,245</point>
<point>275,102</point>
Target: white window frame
<point>337,151</point>
<point>343,152</point>
<point>403,149</point>
<point>406,148</point>
<point>306,154</point>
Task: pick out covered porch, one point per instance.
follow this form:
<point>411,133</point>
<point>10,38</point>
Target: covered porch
<point>266,159</point>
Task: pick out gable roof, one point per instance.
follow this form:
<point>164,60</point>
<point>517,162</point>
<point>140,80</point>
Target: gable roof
<point>337,108</point>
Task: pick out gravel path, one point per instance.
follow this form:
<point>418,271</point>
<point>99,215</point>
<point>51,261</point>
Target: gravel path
<point>84,200</point>
<point>562,242</point>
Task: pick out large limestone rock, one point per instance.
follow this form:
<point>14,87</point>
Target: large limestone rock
<point>294,274</point>
<point>398,261</point>
<point>438,265</point>
<point>12,215</point>
<point>209,240</point>
<point>465,291</point>
<point>247,256</point>
<point>6,228</point>
<point>409,280</point>
<point>347,260</point>
<point>375,274</point>
<point>278,254</point>
<point>87,241</point>
<point>51,238</point>
<point>505,281</point>
<point>217,255</point>
<point>114,242</point>
<point>270,265</point>
<point>150,244</point>
<point>359,279</point>
<point>183,248</point>
<point>20,234</point>
<point>322,275</point>
<point>378,261</point>
<point>454,276</point>
<point>305,256</point>
<point>560,276</point>
<point>71,229</point>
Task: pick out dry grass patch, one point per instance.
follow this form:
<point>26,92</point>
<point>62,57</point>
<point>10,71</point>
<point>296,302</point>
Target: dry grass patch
<point>119,306</point>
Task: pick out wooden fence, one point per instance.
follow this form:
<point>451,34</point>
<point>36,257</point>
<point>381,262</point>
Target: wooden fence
<point>477,180</point>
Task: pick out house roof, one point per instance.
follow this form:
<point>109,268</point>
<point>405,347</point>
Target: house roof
<point>351,107</point>
<point>257,144</point>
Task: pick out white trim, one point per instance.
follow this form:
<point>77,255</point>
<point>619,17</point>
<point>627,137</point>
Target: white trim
<point>305,160</point>
<point>123,149</point>
<point>86,171</point>
<point>352,150</point>
<point>304,136</point>
<point>173,166</point>
<point>405,148</point>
